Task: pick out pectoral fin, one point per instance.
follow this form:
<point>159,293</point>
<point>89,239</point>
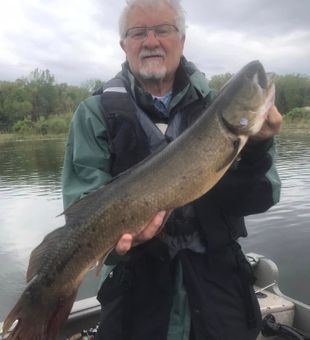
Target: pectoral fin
<point>102,260</point>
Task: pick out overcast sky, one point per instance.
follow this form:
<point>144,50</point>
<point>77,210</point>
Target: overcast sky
<point>78,40</point>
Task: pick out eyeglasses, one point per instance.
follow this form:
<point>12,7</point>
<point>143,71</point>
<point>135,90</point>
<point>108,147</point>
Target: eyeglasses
<point>161,31</point>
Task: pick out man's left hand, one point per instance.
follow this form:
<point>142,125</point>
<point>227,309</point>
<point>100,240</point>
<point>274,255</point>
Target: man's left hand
<point>270,127</point>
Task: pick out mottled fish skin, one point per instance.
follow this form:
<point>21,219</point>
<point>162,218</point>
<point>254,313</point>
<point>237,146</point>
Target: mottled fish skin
<point>182,172</point>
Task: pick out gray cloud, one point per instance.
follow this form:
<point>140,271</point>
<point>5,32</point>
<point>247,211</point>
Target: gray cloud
<point>257,16</point>
<point>227,34</point>
<point>78,40</point>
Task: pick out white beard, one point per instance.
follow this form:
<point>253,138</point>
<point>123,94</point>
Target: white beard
<point>152,70</point>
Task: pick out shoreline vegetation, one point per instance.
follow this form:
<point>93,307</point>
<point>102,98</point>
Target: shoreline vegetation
<point>295,128</point>
<point>37,108</point>
<point>290,126</point>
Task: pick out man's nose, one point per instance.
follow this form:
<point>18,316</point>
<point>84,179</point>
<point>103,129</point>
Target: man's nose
<point>150,39</point>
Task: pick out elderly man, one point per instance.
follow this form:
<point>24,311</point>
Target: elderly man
<point>193,283</point>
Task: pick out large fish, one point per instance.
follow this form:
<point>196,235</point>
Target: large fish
<point>183,171</point>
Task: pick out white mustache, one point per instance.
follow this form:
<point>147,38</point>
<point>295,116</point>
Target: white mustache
<point>150,53</point>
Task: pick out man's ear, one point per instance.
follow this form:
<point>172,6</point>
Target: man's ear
<point>183,41</point>
<point>122,44</point>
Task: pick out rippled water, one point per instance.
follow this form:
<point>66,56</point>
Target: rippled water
<point>283,233</point>
<point>30,200</point>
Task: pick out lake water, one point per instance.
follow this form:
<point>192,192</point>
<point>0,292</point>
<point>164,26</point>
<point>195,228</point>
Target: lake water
<point>30,200</point>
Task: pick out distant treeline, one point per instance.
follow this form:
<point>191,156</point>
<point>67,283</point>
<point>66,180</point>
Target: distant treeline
<point>37,104</point>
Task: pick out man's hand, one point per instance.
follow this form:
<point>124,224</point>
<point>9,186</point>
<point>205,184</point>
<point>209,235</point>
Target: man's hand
<point>270,127</point>
<point>149,230</point>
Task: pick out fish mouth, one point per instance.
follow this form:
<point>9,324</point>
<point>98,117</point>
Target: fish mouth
<point>256,72</point>
<point>253,94</point>
<point>265,81</point>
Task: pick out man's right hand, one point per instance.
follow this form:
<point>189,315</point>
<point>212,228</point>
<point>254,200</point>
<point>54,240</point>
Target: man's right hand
<point>149,230</point>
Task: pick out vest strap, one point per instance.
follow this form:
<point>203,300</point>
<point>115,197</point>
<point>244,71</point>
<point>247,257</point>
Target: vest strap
<point>118,89</point>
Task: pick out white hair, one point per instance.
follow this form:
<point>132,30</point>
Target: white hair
<point>174,4</point>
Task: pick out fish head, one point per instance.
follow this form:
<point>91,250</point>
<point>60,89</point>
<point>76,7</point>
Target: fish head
<point>248,97</point>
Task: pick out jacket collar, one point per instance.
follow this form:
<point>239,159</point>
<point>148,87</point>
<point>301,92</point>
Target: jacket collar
<point>189,85</point>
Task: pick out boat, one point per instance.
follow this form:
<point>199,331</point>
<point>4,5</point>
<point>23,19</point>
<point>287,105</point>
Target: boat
<point>280,312</point>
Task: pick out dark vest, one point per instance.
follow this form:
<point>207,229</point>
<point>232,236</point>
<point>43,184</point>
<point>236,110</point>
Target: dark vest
<point>132,139</point>
<point>147,279</point>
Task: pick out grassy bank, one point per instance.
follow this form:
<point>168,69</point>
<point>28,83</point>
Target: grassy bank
<point>295,126</point>
<point>52,127</point>
<point>11,137</point>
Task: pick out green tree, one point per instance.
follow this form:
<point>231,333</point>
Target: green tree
<point>217,81</point>
<point>41,85</point>
<point>15,103</point>
<point>293,90</point>
<point>38,104</point>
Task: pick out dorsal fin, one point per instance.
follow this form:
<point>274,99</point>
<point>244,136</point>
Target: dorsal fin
<point>39,254</point>
<point>80,211</point>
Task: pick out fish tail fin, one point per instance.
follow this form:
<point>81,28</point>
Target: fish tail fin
<point>35,320</point>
